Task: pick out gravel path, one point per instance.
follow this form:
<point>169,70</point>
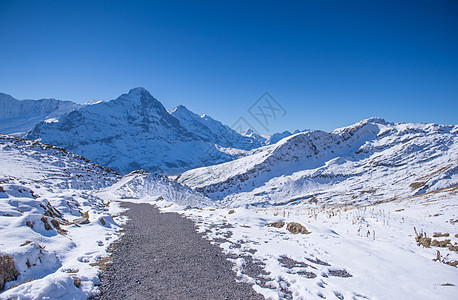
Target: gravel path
<point>161,256</point>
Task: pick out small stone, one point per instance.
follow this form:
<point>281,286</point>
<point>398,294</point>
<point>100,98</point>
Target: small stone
<point>81,221</point>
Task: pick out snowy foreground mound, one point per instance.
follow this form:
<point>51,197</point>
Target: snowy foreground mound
<point>370,161</point>
<point>56,218</point>
<point>144,187</point>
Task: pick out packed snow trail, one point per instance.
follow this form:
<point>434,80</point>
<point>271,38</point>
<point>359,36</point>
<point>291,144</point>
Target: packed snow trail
<point>161,256</point>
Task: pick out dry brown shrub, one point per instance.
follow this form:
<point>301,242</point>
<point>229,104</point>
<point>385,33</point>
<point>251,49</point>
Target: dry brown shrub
<point>453,248</point>
<point>452,263</point>
<point>438,234</point>
<point>423,241</point>
<point>437,243</point>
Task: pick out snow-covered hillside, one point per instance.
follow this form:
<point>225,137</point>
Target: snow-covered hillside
<point>56,217</point>
<point>19,116</point>
<point>346,251</point>
<point>372,160</point>
<point>51,222</point>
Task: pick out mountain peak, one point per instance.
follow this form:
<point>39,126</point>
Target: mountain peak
<point>248,132</point>
<point>181,109</point>
<point>138,90</point>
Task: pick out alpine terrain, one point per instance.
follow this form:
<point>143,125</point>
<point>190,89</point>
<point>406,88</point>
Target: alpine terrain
<point>367,211</point>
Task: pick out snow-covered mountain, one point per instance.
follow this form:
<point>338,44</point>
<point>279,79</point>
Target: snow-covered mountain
<point>371,160</point>
<point>19,116</point>
<point>131,132</point>
<point>210,130</point>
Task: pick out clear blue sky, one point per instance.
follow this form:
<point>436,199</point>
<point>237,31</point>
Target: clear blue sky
<point>328,63</point>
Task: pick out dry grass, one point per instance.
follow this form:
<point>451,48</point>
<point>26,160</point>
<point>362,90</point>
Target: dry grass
<point>103,263</point>
<point>438,234</point>
<point>453,248</point>
<point>442,244</point>
<point>417,185</point>
<point>453,263</point>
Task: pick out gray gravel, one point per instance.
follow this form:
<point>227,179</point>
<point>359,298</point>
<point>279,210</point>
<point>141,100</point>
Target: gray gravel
<point>161,256</point>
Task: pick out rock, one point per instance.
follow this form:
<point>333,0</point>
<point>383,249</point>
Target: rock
<point>76,281</point>
<point>81,221</point>
<point>296,228</point>
<point>276,224</point>
<point>8,271</point>
<point>45,221</point>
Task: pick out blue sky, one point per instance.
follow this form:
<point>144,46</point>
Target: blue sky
<point>328,63</point>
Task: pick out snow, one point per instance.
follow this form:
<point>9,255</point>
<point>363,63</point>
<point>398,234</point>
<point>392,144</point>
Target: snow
<point>44,191</point>
<point>374,245</point>
<point>41,183</point>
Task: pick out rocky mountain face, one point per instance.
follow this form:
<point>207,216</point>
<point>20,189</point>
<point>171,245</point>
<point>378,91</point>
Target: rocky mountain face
<point>132,132</point>
<point>210,130</point>
<point>372,160</point>
<point>19,116</point>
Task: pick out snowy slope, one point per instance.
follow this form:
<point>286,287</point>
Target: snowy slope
<point>131,132</point>
<point>43,192</point>
<point>56,216</point>
<point>19,116</point>
<point>371,160</point>
<point>350,252</point>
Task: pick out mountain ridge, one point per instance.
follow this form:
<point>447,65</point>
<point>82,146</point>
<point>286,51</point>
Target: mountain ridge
<point>370,155</point>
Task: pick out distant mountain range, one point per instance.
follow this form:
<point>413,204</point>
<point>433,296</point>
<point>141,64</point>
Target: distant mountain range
<point>132,132</point>
<point>19,116</point>
<point>370,161</point>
